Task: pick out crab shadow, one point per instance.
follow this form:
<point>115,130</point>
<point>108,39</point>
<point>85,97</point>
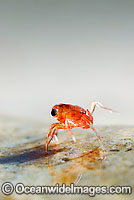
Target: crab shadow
<point>28,155</point>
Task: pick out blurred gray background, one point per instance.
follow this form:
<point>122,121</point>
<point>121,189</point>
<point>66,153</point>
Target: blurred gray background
<point>70,51</point>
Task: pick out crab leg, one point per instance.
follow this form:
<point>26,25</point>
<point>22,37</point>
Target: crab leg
<point>98,104</point>
<point>50,137</point>
<point>69,131</point>
<point>99,138</point>
<point>56,138</point>
<point>53,133</point>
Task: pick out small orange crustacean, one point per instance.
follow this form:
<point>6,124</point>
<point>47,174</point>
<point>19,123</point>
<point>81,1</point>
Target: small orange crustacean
<point>72,116</point>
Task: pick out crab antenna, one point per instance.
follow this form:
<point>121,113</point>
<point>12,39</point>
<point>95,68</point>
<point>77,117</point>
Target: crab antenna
<point>98,104</point>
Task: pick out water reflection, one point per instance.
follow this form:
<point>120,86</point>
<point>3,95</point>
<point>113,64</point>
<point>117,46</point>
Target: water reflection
<point>73,171</point>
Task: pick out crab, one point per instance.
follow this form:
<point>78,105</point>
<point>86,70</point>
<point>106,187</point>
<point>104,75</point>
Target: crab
<point>72,116</point>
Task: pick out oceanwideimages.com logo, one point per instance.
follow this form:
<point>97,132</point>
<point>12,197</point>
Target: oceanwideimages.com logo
<point>8,188</point>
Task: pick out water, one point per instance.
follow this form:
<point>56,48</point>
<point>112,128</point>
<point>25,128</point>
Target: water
<point>23,158</point>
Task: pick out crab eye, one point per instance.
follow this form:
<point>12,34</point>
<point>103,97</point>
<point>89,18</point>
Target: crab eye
<point>54,112</point>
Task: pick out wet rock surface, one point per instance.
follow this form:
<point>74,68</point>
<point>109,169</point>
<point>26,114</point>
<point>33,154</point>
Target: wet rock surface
<point>23,158</point>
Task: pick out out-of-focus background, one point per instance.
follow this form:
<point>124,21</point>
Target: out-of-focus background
<point>67,51</point>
